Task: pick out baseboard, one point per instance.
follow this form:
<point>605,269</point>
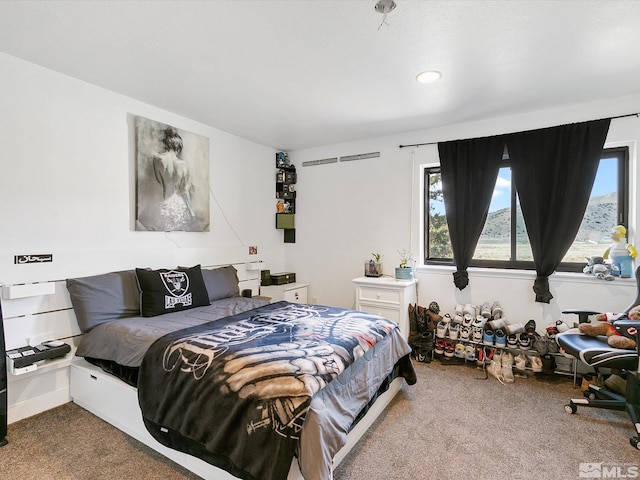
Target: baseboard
<point>39,404</point>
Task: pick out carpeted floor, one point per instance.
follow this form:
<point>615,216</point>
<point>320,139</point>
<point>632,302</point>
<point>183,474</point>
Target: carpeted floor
<point>452,424</point>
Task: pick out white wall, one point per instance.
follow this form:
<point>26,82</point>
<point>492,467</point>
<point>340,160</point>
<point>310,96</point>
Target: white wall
<point>345,211</point>
<point>68,183</point>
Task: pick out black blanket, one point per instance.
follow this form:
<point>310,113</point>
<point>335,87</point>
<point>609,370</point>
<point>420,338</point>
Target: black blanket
<point>234,392</point>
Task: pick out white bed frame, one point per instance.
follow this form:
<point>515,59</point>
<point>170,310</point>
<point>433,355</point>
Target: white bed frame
<point>34,317</point>
<point>117,403</point>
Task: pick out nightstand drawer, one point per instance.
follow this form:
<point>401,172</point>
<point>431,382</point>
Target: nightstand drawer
<point>372,294</point>
<point>290,292</point>
<point>299,295</point>
<point>389,313</point>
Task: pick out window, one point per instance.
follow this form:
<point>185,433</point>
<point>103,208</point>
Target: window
<point>504,242</point>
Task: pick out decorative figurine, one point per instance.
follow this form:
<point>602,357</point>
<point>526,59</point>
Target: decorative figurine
<point>621,253</point>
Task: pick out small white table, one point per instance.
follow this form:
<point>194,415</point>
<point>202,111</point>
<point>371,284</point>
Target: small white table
<point>291,292</point>
<point>387,297</point>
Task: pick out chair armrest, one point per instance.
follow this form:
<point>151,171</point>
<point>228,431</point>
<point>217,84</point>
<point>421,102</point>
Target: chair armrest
<point>583,314</point>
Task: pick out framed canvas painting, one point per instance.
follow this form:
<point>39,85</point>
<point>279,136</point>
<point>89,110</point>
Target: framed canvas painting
<point>172,184</point>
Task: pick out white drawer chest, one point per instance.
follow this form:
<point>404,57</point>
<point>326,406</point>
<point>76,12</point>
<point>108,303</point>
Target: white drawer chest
<point>291,292</point>
<point>387,297</point>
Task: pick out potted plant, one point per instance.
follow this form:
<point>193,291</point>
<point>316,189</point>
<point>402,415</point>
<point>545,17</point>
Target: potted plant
<point>405,270</point>
<point>373,268</point>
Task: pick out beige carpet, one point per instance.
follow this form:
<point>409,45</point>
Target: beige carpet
<point>452,424</point>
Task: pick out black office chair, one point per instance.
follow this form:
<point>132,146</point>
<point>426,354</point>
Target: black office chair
<point>595,352</point>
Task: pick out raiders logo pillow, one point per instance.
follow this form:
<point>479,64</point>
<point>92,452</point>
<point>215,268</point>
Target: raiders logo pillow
<point>164,291</point>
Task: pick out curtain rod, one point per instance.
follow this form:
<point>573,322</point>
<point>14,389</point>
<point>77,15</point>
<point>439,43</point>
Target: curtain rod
<point>435,143</point>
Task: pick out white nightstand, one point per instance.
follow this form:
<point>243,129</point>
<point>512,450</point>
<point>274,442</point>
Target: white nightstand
<point>291,292</point>
<point>387,297</point>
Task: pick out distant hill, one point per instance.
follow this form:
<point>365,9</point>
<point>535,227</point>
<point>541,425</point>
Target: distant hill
<point>598,220</point>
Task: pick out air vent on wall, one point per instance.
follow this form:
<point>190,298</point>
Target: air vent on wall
<point>324,161</point>
<point>361,156</point>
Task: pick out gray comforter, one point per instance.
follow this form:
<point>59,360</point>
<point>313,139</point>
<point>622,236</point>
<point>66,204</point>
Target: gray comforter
<point>126,340</point>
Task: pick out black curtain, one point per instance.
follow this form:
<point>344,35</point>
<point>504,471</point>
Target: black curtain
<point>469,170</point>
<point>554,170</point>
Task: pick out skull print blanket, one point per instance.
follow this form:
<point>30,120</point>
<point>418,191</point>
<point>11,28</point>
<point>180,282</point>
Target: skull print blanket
<point>235,392</point>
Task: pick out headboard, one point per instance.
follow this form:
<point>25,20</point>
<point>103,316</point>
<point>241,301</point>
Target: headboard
<point>34,312</point>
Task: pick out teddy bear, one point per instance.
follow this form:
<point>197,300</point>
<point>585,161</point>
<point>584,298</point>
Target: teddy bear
<point>614,338</point>
<point>598,268</point>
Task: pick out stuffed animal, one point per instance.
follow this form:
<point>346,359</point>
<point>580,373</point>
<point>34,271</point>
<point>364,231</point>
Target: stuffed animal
<point>595,266</point>
<point>614,338</point>
<point>621,253</point>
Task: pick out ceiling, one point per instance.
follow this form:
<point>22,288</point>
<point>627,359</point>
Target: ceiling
<point>293,74</point>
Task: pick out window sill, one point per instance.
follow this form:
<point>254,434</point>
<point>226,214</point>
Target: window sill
<point>503,273</point>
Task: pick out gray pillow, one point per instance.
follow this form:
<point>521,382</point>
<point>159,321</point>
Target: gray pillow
<point>221,282</point>
<point>102,298</point>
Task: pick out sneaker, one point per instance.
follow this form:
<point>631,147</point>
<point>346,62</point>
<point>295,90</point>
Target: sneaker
<point>514,328</point>
<point>530,327</point>
<point>439,346</point>
<point>469,309</point>
<point>441,329</point>
<point>459,351</point>
<point>489,353</point>
<point>467,320</point>
<point>520,361</point>
<point>496,310</point>
<point>548,363</point>
<point>470,353</point>
<point>495,367</point>
<point>497,357</point>
<point>524,341</point>
<point>536,363</point>
<point>539,344</point>
<point>446,318</point>
<point>454,330</point>
<point>480,356</point>
<point>561,326</point>
<point>512,341</point>
<point>552,345</point>
<point>499,323</point>
<point>465,333</point>
<point>552,330</point>
<point>449,348</point>
<point>458,309</point>
<point>488,336</point>
<point>434,307</point>
<point>507,367</point>
<point>479,322</point>
<point>476,335</point>
<point>500,339</point>
<point>457,317</point>
<point>485,310</point>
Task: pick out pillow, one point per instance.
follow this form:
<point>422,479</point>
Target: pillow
<point>102,298</point>
<point>221,282</point>
<point>163,291</point>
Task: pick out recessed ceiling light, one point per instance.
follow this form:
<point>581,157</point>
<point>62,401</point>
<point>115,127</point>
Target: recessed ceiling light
<point>428,76</point>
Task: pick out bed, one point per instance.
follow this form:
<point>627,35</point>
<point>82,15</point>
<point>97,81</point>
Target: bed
<point>231,386</point>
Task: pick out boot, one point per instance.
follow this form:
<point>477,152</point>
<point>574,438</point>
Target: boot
<point>413,326</point>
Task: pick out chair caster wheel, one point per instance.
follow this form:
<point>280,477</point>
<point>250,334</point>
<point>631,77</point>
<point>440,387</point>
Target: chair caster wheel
<point>590,395</point>
<point>634,441</point>
<point>570,408</point>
